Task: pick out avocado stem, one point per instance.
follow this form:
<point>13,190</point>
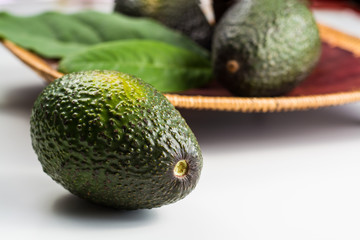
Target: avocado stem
<point>232,66</point>
<point>181,168</point>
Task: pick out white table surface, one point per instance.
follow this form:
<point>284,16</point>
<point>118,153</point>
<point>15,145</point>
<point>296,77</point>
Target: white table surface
<point>266,176</point>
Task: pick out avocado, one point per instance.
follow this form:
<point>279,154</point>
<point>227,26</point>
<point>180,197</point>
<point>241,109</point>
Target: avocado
<point>185,16</point>
<point>265,48</point>
<point>114,140</point>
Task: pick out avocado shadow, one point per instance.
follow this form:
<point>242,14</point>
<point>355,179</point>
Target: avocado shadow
<point>20,100</point>
<point>78,211</point>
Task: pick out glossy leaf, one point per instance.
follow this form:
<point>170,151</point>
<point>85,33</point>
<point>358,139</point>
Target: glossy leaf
<point>166,67</point>
<point>55,35</point>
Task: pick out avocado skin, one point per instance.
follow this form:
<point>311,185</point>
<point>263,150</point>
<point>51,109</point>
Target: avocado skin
<point>114,140</point>
<point>185,16</point>
<point>275,43</point>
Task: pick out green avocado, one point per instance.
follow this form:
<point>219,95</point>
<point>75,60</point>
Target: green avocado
<point>185,16</point>
<point>114,140</point>
<point>265,48</point>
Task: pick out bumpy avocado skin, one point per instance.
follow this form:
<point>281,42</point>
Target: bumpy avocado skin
<point>185,16</point>
<point>274,45</point>
<point>114,140</point>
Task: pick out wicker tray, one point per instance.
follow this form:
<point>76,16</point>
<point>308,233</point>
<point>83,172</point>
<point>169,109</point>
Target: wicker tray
<point>335,81</point>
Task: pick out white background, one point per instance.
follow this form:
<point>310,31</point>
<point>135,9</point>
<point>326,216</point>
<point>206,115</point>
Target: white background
<point>266,176</point>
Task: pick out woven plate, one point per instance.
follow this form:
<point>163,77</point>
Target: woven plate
<point>335,81</point>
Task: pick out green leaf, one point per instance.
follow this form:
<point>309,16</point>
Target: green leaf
<point>55,35</point>
<point>166,67</point>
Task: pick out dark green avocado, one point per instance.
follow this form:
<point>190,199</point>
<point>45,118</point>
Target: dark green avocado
<point>185,16</point>
<point>265,48</point>
<point>114,140</point>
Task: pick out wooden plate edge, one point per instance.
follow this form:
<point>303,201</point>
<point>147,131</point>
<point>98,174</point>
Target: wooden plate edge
<point>236,104</point>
